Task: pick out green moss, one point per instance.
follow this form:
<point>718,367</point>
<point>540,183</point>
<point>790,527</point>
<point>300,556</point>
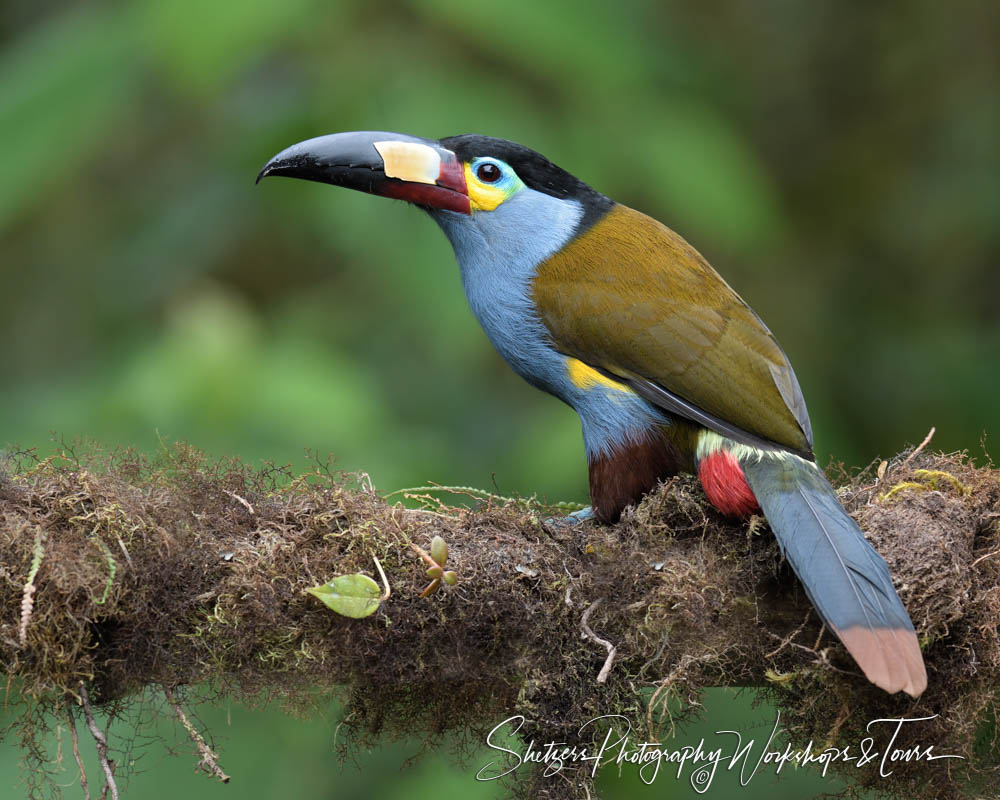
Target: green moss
<point>179,570</point>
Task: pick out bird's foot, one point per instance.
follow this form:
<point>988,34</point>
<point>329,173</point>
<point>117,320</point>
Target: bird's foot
<point>573,518</point>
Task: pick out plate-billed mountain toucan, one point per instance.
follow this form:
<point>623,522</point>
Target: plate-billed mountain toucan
<point>668,368</point>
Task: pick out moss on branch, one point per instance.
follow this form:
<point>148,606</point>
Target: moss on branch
<point>125,573</point>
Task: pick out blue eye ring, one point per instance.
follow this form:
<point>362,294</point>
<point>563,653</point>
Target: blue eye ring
<point>495,177</point>
<point>488,172</point>
<point>491,171</point>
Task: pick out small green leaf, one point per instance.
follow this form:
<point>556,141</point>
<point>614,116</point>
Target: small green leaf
<point>439,550</point>
<point>349,595</point>
<point>450,578</point>
<point>435,572</point>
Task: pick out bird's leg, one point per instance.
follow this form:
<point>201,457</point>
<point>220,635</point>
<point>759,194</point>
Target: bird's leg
<point>573,518</point>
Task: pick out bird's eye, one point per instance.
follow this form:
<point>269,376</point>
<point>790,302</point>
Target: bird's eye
<point>488,172</point>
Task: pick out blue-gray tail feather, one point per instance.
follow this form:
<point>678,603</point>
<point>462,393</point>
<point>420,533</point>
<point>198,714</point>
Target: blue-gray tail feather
<point>845,578</point>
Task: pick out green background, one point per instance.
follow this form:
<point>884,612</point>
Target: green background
<point>836,162</point>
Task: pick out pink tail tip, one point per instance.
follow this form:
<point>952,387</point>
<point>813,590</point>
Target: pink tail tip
<point>890,657</point>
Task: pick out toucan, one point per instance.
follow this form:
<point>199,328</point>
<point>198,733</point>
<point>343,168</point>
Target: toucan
<point>667,367</point>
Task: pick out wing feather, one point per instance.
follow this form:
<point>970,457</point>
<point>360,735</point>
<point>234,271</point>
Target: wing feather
<point>632,298</point>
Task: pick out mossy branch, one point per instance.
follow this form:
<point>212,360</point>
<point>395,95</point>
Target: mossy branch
<point>123,574</point>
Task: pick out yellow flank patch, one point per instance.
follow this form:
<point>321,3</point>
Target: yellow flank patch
<point>482,197</point>
<point>585,377</point>
<point>410,161</point>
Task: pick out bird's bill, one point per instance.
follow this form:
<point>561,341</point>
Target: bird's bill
<point>394,165</point>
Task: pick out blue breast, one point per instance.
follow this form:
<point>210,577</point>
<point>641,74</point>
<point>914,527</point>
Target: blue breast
<point>498,254</point>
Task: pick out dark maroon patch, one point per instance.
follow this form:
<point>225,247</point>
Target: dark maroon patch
<point>452,174</point>
<point>630,472</point>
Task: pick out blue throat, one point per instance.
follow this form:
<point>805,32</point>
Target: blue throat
<point>498,255</point>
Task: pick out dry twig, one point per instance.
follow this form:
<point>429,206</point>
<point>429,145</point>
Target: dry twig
<point>76,749</point>
<point>209,758</point>
<point>101,741</point>
<point>921,446</point>
<point>245,503</point>
<point>602,676</point>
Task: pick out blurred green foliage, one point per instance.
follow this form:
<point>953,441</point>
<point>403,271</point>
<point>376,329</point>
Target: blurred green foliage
<point>837,163</point>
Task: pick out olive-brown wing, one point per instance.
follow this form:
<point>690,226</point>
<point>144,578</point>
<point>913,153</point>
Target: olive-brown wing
<point>632,298</point>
